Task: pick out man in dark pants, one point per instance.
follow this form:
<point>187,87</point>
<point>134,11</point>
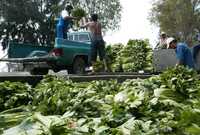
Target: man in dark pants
<point>98,42</point>
<point>64,22</point>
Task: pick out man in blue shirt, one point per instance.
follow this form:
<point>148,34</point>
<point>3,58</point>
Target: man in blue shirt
<point>183,53</point>
<point>64,22</point>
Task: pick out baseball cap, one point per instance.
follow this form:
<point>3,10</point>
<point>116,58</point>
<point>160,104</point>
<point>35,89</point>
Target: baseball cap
<point>169,40</point>
<point>162,33</point>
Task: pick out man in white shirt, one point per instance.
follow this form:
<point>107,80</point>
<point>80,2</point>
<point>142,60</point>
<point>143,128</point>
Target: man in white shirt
<point>162,41</point>
<point>64,22</point>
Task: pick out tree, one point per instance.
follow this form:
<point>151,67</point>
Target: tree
<point>21,20</point>
<point>35,20</point>
<point>179,18</point>
<point>108,11</point>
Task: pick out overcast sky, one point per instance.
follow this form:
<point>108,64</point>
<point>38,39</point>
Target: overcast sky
<point>134,23</point>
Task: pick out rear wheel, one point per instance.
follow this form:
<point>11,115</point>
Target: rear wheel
<point>39,71</point>
<point>79,66</point>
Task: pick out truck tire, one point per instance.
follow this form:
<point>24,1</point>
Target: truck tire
<point>79,66</point>
<point>39,71</point>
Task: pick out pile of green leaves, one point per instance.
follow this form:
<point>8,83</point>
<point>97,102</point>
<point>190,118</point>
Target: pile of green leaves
<point>112,52</point>
<point>14,94</point>
<point>167,104</point>
<point>135,56</point>
<point>57,96</point>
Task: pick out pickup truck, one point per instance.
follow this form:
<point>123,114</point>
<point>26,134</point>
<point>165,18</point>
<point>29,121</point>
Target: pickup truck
<point>72,54</point>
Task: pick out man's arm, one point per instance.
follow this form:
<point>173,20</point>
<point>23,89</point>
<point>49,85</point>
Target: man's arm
<point>85,25</point>
<point>65,15</point>
<point>70,17</point>
<point>179,62</point>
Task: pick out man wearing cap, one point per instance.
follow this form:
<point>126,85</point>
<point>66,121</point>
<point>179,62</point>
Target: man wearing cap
<point>64,22</point>
<point>183,53</point>
<point>162,42</point>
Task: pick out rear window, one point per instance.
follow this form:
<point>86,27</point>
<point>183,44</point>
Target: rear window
<point>79,37</point>
<point>83,37</point>
<point>76,37</point>
<point>70,37</point>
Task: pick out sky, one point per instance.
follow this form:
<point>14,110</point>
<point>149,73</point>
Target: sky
<point>134,23</point>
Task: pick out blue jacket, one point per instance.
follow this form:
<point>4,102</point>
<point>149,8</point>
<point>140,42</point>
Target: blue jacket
<point>184,54</point>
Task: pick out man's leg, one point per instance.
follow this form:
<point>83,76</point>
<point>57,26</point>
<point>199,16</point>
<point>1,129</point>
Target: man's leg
<point>93,55</point>
<point>59,31</point>
<point>102,54</point>
<point>105,65</point>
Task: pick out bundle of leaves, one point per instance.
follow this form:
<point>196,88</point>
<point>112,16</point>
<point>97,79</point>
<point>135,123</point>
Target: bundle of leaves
<point>78,12</point>
<point>112,52</point>
<point>135,56</point>
<point>14,94</point>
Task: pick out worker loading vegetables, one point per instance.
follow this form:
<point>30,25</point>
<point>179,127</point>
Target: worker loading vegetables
<point>64,22</point>
<point>99,45</point>
<point>183,53</point>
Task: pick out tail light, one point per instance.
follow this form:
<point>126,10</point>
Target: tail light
<point>57,52</point>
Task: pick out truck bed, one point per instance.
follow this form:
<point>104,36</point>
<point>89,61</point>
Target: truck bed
<point>22,50</point>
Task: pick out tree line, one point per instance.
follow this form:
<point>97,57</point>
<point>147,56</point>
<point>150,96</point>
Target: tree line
<point>178,18</point>
<point>34,21</point>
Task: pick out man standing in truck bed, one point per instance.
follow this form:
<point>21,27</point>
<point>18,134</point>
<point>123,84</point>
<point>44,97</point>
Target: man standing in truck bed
<point>64,22</point>
<point>98,42</point>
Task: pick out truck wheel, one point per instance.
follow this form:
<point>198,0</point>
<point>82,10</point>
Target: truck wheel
<point>39,71</point>
<point>78,66</point>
